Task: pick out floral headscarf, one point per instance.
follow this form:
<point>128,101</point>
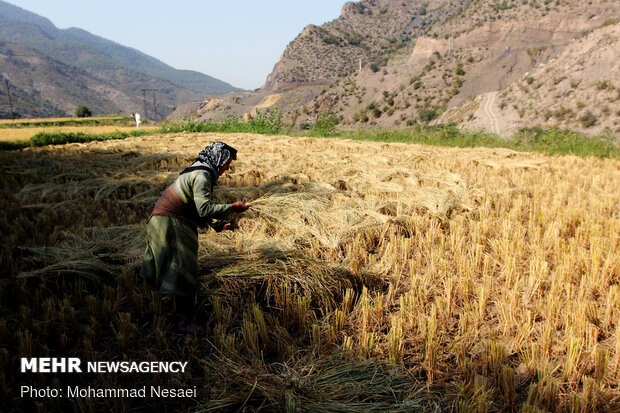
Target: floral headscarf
<point>213,157</point>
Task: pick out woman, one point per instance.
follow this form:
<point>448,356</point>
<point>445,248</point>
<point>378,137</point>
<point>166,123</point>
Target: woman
<point>170,262</point>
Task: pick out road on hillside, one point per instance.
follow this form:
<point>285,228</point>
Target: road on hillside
<point>489,110</point>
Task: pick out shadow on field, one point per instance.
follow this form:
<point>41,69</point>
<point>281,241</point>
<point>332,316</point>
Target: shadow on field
<point>72,234</point>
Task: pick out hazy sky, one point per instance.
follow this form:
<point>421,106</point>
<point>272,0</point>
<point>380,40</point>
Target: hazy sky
<point>237,41</point>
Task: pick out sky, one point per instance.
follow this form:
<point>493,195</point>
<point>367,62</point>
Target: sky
<point>237,41</point>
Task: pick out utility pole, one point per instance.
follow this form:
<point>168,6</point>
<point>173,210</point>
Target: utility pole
<point>155,105</point>
<point>144,100</point>
<point>8,93</point>
<point>154,102</point>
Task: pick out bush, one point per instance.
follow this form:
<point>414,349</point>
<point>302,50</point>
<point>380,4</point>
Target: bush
<point>267,122</point>
<point>83,112</point>
<point>563,142</point>
<point>603,84</point>
<point>10,146</point>
<point>588,120</point>
<point>427,115</point>
<point>325,124</point>
<point>60,138</point>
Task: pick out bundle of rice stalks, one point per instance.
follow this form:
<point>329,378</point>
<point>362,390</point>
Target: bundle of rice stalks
<point>272,269</point>
<point>308,204</point>
<point>438,203</point>
<point>297,215</point>
<point>446,193</point>
<point>82,267</point>
<point>94,252</point>
<point>131,188</point>
<point>127,187</point>
<point>334,384</point>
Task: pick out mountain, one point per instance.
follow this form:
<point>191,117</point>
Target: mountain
<point>577,89</point>
<point>494,65</point>
<point>368,33</point>
<point>44,87</point>
<point>143,63</point>
<point>122,69</point>
<point>13,13</point>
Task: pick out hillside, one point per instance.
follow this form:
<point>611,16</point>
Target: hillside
<point>122,69</point>
<point>579,89</point>
<point>43,87</point>
<point>497,66</point>
<point>460,61</point>
<point>368,32</point>
<point>140,62</point>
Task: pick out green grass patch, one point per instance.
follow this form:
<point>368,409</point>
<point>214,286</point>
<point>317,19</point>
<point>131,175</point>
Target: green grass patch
<point>547,141</point>
<point>565,142</point>
<point>268,122</point>
<point>60,138</point>
<point>10,146</point>
<point>102,121</point>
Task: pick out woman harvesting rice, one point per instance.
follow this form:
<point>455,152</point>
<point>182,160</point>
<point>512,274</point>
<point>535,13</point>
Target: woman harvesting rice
<point>170,262</point>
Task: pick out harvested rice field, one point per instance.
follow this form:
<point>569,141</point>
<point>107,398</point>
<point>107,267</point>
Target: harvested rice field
<point>366,277</point>
<point>26,121</point>
<point>25,133</point>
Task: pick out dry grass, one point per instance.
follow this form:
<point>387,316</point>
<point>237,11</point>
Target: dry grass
<point>490,276</point>
<point>24,134</point>
<point>38,120</point>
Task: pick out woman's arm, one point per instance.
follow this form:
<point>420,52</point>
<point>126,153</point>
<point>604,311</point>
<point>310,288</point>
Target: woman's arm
<point>203,199</point>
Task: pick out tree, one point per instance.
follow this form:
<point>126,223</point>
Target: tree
<point>83,112</point>
<point>325,124</point>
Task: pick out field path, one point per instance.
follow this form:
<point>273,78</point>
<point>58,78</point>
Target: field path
<point>489,110</point>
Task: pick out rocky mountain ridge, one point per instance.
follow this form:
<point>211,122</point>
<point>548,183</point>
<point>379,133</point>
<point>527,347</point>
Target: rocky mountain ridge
<point>366,33</point>
<point>472,55</point>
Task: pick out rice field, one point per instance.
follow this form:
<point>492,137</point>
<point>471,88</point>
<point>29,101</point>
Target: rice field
<point>366,276</point>
<point>25,133</point>
<point>4,122</point>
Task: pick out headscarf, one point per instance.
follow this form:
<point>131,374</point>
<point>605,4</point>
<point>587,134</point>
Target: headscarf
<point>213,157</point>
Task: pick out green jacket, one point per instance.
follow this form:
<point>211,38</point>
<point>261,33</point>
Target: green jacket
<point>197,187</point>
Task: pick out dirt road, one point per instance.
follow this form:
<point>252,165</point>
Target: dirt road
<point>489,110</point>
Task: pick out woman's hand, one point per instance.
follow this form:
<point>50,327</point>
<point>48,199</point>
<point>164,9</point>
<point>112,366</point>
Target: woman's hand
<point>240,206</point>
<point>230,226</point>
